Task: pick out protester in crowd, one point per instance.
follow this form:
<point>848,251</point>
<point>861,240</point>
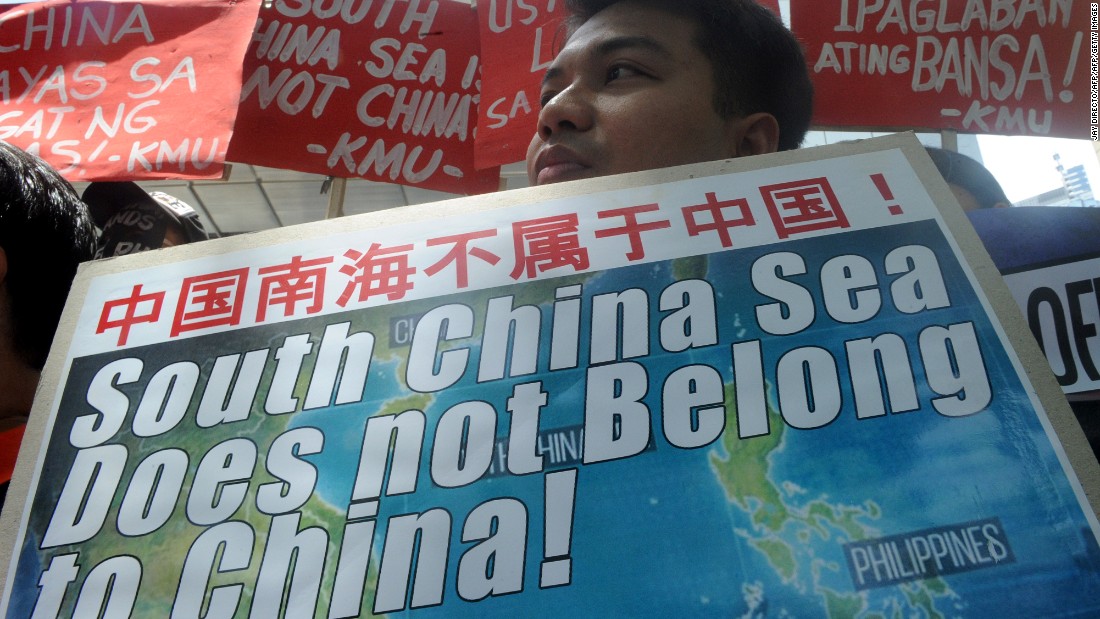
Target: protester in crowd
<point>973,185</point>
<point>45,231</point>
<point>643,84</point>
<point>132,220</point>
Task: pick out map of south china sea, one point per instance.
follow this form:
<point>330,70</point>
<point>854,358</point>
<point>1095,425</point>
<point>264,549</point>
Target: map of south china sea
<point>782,491</point>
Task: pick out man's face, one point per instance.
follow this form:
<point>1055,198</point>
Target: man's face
<point>630,91</point>
<point>173,235</point>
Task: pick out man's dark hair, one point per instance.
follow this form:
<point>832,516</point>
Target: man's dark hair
<point>962,171</point>
<point>757,63</point>
<point>45,231</point>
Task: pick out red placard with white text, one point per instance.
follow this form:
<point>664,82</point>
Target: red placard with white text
<point>518,41</point>
<point>379,90</point>
<point>124,90</point>
<point>1011,68</point>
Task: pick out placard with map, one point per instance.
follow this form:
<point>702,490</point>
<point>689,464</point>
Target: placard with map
<point>779,386</point>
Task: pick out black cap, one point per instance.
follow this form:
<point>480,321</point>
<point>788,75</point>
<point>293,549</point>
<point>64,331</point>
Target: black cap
<point>132,220</point>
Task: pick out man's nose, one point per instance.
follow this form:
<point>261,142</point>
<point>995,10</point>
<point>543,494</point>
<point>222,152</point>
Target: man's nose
<point>569,110</point>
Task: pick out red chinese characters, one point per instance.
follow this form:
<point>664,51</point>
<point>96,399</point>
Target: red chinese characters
<point>632,229</point>
<point>210,301</point>
<point>288,284</point>
<point>721,216</point>
<point>802,206</point>
<point>379,271</point>
<point>548,243</point>
<point>563,242</point>
<point>130,307</point>
<point>459,252</point>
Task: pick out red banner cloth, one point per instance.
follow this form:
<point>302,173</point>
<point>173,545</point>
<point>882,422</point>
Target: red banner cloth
<point>1012,68</point>
<point>124,90</point>
<point>379,90</point>
<point>518,41</point>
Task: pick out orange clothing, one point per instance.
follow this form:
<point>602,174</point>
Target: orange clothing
<point>9,450</point>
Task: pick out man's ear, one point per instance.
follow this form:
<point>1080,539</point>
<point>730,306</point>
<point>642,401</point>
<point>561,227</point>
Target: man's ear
<point>754,134</point>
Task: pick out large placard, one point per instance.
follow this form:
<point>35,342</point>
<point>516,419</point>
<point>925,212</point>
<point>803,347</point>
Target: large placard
<point>776,384</point>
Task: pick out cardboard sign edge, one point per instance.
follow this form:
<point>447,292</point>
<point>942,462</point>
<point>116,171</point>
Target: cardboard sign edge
<point>1079,456</point>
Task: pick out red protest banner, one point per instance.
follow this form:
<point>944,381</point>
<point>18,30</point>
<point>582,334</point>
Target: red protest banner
<point>517,44</point>
<point>380,90</point>
<point>1005,66</point>
<point>124,90</point>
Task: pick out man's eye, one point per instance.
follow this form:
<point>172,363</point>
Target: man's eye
<point>621,71</point>
<point>545,98</point>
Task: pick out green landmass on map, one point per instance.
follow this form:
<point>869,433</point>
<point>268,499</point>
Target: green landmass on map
<point>781,529</point>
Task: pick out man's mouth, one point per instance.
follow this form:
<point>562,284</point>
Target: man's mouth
<point>558,172</point>
<point>556,164</point>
